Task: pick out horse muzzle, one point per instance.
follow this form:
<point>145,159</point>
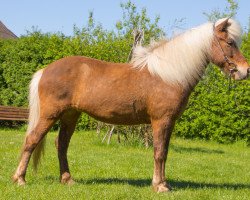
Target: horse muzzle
<point>241,73</point>
<point>248,72</point>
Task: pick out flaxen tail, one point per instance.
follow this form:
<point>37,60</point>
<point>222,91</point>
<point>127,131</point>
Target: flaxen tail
<point>34,114</point>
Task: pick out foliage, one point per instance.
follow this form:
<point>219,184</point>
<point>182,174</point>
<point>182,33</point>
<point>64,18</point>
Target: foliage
<point>217,112</point>
<point>134,20</point>
<point>229,11</point>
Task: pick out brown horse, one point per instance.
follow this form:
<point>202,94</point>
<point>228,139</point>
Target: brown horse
<point>154,88</point>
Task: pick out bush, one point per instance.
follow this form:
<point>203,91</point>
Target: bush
<point>19,59</point>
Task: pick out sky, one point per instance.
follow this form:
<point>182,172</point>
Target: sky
<point>60,15</point>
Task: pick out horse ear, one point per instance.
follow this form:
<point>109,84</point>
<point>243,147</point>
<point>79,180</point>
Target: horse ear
<point>222,26</point>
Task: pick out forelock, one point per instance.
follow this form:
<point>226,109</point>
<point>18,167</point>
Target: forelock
<point>234,29</point>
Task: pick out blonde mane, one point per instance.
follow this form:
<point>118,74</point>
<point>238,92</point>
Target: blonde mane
<point>183,59</point>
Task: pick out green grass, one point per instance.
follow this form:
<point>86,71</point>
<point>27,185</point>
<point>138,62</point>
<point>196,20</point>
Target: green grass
<point>195,169</point>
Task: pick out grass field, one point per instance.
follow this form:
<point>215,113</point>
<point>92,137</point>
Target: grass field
<point>195,170</point>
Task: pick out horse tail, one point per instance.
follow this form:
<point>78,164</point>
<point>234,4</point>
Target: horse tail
<point>34,115</point>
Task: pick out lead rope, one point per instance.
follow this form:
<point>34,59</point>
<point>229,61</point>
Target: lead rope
<point>229,83</point>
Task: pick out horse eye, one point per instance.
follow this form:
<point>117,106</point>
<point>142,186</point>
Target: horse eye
<point>230,42</point>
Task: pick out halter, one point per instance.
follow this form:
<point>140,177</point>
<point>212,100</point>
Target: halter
<point>228,61</point>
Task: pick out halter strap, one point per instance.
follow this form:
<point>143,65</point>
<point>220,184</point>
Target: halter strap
<point>229,62</point>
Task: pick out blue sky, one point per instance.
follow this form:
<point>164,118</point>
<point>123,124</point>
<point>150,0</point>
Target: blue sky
<point>61,15</point>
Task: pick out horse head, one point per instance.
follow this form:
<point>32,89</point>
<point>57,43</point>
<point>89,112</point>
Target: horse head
<point>225,49</point>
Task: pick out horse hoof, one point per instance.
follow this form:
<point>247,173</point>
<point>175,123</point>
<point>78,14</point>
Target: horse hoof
<point>19,180</point>
<point>68,181</point>
<point>162,187</point>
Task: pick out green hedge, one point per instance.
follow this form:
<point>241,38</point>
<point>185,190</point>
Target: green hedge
<point>19,59</point>
<point>214,111</point>
<point>217,112</point>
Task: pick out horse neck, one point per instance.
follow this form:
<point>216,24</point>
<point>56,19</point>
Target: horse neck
<point>185,67</point>
<point>202,72</point>
<point>182,60</point>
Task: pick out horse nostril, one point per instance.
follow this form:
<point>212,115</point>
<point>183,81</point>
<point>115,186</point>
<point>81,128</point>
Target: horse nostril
<point>248,70</point>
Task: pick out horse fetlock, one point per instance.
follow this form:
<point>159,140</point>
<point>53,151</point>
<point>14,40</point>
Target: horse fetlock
<point>67,179</point>
<point>20,180</point>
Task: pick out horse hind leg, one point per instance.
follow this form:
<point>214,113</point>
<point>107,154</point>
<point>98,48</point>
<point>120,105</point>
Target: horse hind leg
<point>32,140</point>
<point>68,124</point>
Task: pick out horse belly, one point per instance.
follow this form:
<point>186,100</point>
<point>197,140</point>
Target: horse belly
<point>117,111</point>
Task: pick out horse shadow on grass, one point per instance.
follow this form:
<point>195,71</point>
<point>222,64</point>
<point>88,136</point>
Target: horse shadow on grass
<point>180,149</point>
<point>176,184</point>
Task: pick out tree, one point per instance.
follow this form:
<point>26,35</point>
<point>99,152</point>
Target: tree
<point>138,20</point>
<point>229,11</point>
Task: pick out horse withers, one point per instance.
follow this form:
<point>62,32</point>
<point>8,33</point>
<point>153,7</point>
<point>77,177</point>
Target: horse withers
<point>154,88</point>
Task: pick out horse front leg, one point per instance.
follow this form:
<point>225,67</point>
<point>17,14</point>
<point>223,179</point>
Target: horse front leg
<point>162,130</point>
